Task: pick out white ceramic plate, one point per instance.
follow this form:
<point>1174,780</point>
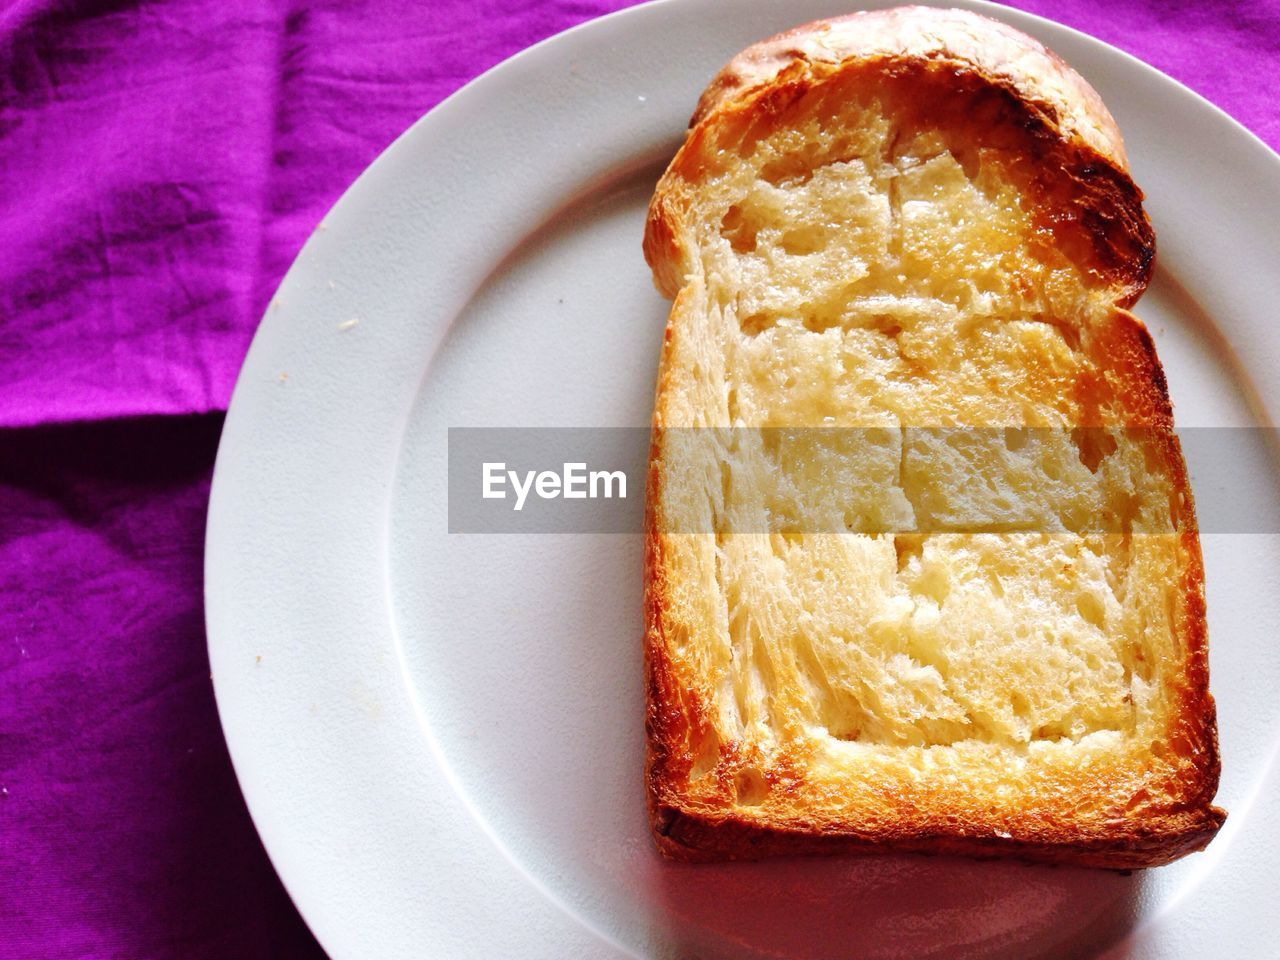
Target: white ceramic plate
<point>440,738</point>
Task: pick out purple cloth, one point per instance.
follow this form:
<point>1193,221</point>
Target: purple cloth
<point>160,165</point>
<point>122,829</point>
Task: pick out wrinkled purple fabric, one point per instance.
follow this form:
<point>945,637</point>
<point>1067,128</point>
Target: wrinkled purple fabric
<point>160,165</point>
<point>120,823</point>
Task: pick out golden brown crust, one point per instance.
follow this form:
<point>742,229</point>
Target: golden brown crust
<point>1093,211</point>
<point>674,721</point>
<point>1005,56</point>
<point>1041,103</point>
<point>694,837</point>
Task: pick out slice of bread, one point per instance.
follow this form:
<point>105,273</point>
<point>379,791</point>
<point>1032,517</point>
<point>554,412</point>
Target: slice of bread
<point>922,567</point>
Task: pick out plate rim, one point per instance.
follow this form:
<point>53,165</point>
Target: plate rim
<point>238,416</point>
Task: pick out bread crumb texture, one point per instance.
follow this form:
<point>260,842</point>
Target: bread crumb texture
<point>873,243</point>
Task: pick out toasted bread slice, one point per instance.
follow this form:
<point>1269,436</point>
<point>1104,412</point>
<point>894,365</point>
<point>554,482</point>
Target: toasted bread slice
<point>986,636</point>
